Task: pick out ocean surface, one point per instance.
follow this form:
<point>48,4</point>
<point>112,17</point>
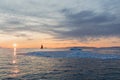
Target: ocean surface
<point>60,64</point>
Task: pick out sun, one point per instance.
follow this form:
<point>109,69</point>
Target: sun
<point>14,45</point>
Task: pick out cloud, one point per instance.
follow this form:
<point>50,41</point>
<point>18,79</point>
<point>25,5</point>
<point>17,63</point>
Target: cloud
<point>64,19</point>
<point>21,35</point>
<point>24,35</point>
<point>16,23</point>
<point>88,24</point>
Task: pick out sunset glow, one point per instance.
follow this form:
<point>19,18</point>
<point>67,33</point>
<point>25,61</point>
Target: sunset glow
<point>49,43</point>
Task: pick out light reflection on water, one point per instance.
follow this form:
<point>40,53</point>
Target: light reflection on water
<point>15,67</point>
<point>14,71</point>
<point>35,68</point>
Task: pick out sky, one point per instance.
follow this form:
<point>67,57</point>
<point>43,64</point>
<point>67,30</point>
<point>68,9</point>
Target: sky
<point>59,23</point>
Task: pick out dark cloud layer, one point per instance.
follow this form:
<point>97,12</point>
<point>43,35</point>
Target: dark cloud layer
<point>88,24</point>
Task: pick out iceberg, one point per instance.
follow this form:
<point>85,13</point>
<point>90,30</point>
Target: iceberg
<point>75,48</point>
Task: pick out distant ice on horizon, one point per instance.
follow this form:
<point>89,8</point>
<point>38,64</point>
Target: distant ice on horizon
<point>73,54</point>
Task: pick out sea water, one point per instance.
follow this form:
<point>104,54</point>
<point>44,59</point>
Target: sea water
<point>59,66</point>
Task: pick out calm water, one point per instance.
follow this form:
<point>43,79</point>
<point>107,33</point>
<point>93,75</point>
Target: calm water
<point>43,68</point>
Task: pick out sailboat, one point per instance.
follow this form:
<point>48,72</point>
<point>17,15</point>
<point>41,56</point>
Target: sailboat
<point>41,47</point>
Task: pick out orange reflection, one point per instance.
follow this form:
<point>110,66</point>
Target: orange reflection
<point>14,61</point>
<point>14,71</point>
<point>14,54</point>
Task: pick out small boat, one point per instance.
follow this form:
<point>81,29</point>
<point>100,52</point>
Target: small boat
<point>41,47</point>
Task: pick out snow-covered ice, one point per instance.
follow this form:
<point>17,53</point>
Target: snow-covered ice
<point>73,54</point>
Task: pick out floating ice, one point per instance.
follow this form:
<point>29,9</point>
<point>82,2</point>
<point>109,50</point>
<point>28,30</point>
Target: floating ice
<point>74,54</point>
